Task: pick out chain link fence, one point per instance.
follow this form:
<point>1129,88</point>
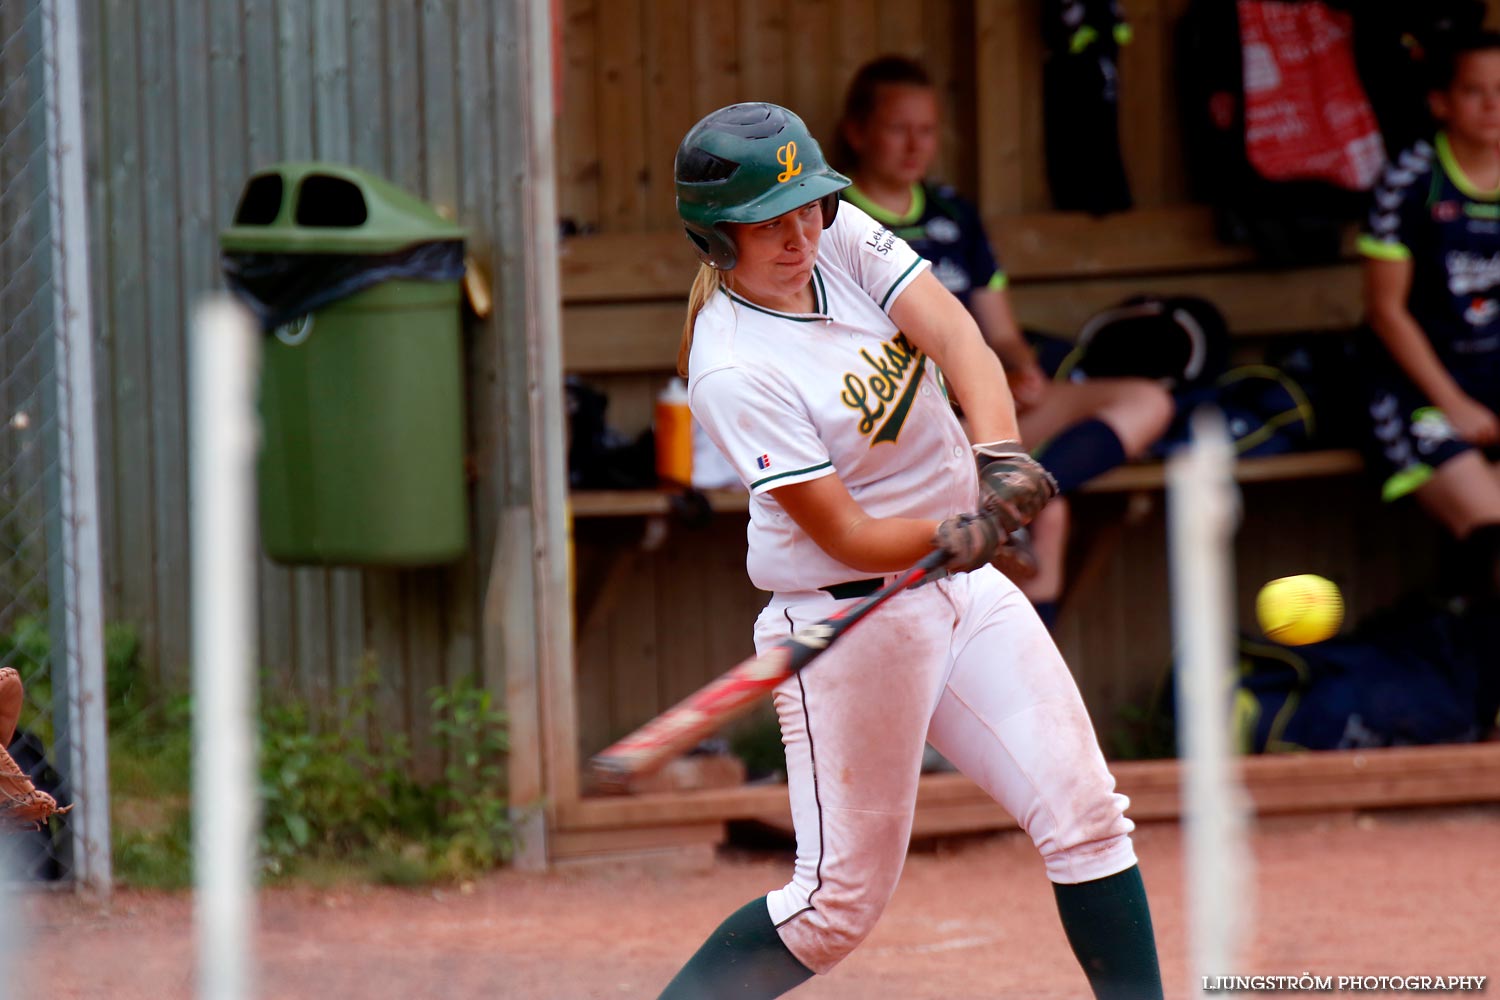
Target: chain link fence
<point>50,619</point>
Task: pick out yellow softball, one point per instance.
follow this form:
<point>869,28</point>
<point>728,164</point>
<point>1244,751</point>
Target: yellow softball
<point>1297,610</point>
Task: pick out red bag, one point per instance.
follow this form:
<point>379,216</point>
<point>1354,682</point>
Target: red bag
<point>1306,113</point>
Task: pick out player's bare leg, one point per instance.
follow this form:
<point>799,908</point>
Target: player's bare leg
<point>1136,410</point>
<point>1464,496</point>
<point>1089,428</point>
<point>1049,541</point>
<point>1463,493</point>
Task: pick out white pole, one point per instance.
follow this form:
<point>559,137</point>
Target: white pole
<point>1203,508</point>
<point>82,586</point>
<point>225,363</point>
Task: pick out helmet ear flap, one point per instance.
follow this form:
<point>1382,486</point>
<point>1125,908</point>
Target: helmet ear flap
<point>829,203</point>
<point>714,247</point>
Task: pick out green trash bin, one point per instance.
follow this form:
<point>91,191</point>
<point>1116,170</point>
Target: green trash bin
<point>357,284</point>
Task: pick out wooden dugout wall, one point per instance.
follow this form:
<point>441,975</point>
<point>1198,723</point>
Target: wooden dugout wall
<point>638,73</point>
<point>657,617</point>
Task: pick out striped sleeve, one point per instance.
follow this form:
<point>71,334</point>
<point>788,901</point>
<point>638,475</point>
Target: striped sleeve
<point>1397,205</point>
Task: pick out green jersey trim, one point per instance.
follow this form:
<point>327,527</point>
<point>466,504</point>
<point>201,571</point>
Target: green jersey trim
<point>1369,246</point>
<point>999,282</point>
<point>795,472</point>
<point>794,317</point>
<point>1456,173</point>
<point>897,284</point>
<point>885,216</point>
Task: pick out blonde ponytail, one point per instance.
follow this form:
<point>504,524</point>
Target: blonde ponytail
<point>708,281</point>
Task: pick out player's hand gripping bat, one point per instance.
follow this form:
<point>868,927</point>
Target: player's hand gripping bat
<point>680,727</point>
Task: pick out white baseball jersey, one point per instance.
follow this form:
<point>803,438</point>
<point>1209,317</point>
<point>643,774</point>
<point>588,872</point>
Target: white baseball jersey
<point>792,397</point>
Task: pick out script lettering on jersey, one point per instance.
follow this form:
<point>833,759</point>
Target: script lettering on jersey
<point>883,396</point>
<point>1469,273</point>
<point>881,241</point>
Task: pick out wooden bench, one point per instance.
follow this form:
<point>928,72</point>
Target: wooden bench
<point>1126,479</point>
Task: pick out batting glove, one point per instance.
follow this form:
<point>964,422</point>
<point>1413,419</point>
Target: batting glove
<point>969,540</point>
<point>1012,485</point>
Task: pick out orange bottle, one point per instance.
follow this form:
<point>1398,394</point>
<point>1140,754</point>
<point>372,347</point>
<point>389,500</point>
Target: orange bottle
<point>674,435</point>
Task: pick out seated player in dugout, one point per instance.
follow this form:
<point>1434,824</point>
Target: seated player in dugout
<point>1432,295</point>
<point>887,141</point>
<point>809,345</point>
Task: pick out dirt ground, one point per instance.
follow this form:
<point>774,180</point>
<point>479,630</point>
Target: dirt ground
<point>1392,893</point>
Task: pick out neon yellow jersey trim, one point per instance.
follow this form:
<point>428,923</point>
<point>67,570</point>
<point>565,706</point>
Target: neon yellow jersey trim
<point>1369,246</point>
<point>1456,173</point>
<point>1082,39</point>
<point>1406,482</point>
<point>885,216</point>
<point>999,282</point>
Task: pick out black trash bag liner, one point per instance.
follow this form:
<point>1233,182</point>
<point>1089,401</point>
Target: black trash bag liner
<point>280,287</point>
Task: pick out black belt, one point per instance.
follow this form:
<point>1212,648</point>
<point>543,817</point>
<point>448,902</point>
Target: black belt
<point>854,588</point>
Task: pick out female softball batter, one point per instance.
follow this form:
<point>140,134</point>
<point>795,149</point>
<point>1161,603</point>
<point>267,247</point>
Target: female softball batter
<point>810,347</point>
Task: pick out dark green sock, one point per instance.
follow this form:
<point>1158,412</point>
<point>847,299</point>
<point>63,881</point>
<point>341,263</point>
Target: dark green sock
<point>1108,923</point>
<point>743,958</point>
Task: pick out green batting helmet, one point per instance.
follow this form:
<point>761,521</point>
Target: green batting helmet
<point>748,163</point>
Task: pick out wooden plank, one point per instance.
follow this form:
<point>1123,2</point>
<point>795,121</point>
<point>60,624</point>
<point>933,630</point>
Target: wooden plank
<point>715,57</point>
<point>384,609</point>
<point>1258,302</point>
<point>669,109</point>
<point>426,595</point>
<point>125,319</point>
<point>999,49</point>
<point>407,154</point>
<point>1033,246</point>
<point>1145,91</point>
<point>1127,478</point>
<point>165,334</point>
<point>369,128</point>
<point>1035,195</point>
<point>815,85</point>
<point>196,124</point>
<point>439,137</point>
<point>262,120</point>
<point>1264,468</point>
<point>763,51</point>
<point>226,84</point>
<point>950,60</point>
<point>621,338</point>
<point>900,24</point>
<point>578,163</point>
<point>644,336</point>
<point>311,640</point>
<point>1281,783</point>
<point>294,61</point>
<point>855,42</point>
<point>1175,186</point>
<point>331,94</point>
<point>572,844</point>
<point>278,649</point>
<point>634,683</point>
<point>621,125</point>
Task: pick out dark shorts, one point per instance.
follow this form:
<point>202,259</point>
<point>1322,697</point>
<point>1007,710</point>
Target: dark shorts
<point>1410,437</point>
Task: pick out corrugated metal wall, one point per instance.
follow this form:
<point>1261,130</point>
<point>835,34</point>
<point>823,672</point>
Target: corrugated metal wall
<point>186,99</point>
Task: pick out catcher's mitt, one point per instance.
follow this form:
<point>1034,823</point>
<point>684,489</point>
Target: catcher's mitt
<point>21,804</point>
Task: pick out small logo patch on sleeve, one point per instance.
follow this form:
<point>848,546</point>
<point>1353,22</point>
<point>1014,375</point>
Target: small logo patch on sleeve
<point>763,462</point>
